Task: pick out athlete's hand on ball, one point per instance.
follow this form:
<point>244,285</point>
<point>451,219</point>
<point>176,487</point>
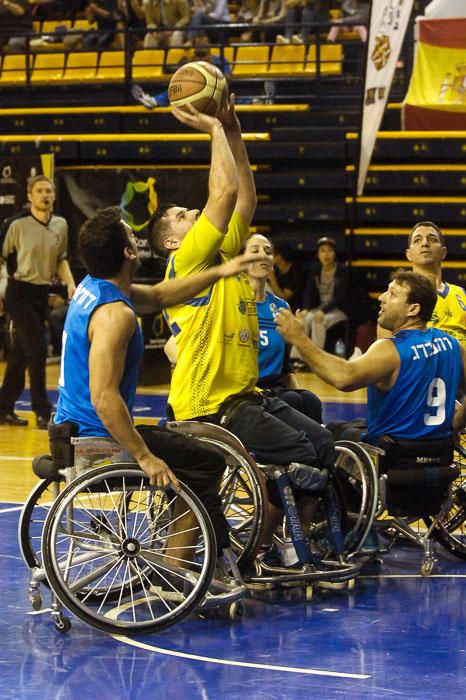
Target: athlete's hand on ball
<point>228,116</point>
<point>190,116</point>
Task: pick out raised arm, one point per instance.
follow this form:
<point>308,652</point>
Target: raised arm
<point>223,178</point>
<point>150,298</point>
<point>379,365</point>
<point>110,330</point>
<point>246,201</point>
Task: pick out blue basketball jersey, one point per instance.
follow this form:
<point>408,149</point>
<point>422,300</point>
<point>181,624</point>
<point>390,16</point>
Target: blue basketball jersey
<point>272,347</point>
<point>74,400</point>
<point>421,402</point>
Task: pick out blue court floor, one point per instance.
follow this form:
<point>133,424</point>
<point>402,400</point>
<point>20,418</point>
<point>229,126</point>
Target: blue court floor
<point>397,635</point>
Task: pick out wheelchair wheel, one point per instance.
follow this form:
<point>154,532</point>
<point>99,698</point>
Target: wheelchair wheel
<point>32,519</point>
<point>450,528</point>
<point>125,557</point>
<point>356,482</point>
<point>242,490</point>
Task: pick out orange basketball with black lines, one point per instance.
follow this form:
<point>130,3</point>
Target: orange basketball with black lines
<point>200,84</point>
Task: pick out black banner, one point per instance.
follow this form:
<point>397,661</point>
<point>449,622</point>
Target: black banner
<point>14,173</point>
<point>137,191</point>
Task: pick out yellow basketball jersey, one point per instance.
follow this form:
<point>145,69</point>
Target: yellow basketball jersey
<point>450,312</point>
<point>216,332</point>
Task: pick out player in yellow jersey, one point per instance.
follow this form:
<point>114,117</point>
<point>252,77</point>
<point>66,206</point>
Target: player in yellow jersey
<point>216,332</point>
<point>425,251</point>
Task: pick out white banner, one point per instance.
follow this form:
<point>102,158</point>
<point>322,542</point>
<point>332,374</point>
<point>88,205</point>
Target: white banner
<point>389,20</point>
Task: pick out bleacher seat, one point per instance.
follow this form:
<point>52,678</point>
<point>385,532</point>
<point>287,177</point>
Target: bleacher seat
<point>174,56</point>
<point>13,69</point>
<point>111,66</point>
<point>81,66</point>
<point>331,57</point>
<point>287,60</point>
<point>251,60</point>
<point>48,67</point>
<point>148,64</point>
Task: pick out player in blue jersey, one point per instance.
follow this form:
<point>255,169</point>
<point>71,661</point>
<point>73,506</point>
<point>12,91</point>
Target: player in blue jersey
<point>412,377</point>
<point>102,349</point>
<point>276,375</point>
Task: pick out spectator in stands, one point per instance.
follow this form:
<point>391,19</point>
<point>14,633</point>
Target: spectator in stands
<point>104,14</point>
<point>245,15</point>
<point>57,9</point>
<point>34,245</point>
<point>354,16</point>
<point>276,375</point>
<point>271,13</point>
<point>207,13</point>
<point>201,53</point>
<point>327,293</point>
<point>15,16</point>
<point>287,279</point>
<point>130,22</point>
<point>162,14</point>
<point>303,13</point>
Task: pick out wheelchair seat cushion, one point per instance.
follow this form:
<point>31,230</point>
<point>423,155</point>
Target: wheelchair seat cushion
<point>419,473</point>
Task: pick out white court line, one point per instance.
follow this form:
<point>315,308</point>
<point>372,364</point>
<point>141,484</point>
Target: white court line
<point>10,510</point>
<point>241,664</point>
<point>16,459</point>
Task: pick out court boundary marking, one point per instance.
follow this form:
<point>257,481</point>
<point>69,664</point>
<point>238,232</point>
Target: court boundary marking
<point>240,664</point>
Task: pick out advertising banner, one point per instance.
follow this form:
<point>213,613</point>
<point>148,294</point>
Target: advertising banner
<point>388,24</point>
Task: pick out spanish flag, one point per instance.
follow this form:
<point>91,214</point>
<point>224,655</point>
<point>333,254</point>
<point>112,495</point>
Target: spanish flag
<point>436,99</point>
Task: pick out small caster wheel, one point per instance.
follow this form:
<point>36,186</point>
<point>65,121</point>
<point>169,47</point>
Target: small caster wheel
<point>309,592</point>
<point>351,584</point>
<point>426,567</point>
<point>236,610</point>
<point>62,623</point>
<point>36,600</point>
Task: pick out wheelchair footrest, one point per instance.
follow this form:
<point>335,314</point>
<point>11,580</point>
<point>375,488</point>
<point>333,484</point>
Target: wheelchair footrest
<point>333,571</point>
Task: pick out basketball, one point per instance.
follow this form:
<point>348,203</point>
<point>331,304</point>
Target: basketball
<point>200,84</point>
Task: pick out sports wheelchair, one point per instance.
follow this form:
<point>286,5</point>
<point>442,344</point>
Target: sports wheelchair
<point>104,541</point>
<point>420,494</point>
<point>108,544</point>
<point>320,545</point>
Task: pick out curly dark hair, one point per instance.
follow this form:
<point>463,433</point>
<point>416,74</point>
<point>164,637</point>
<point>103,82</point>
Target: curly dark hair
<point>102,242</point>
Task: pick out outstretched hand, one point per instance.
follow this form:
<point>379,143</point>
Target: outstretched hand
<point>228,116</point>
<point>290,327</point>
<point>241,263</point>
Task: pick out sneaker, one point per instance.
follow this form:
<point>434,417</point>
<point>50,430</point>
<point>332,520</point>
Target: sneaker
<point>296,39</point>
<point>142,97</point>
<point>12,419</point>
<point>281,40</point>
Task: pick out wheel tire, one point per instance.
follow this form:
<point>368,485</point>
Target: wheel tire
<point>76,558</point>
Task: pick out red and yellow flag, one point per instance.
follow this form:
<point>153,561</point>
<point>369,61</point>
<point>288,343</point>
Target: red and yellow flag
<point>436,99</point>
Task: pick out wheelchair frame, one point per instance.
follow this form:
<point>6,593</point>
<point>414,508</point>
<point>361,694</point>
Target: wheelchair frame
<point>447,527</point>
<point>108,553</point>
